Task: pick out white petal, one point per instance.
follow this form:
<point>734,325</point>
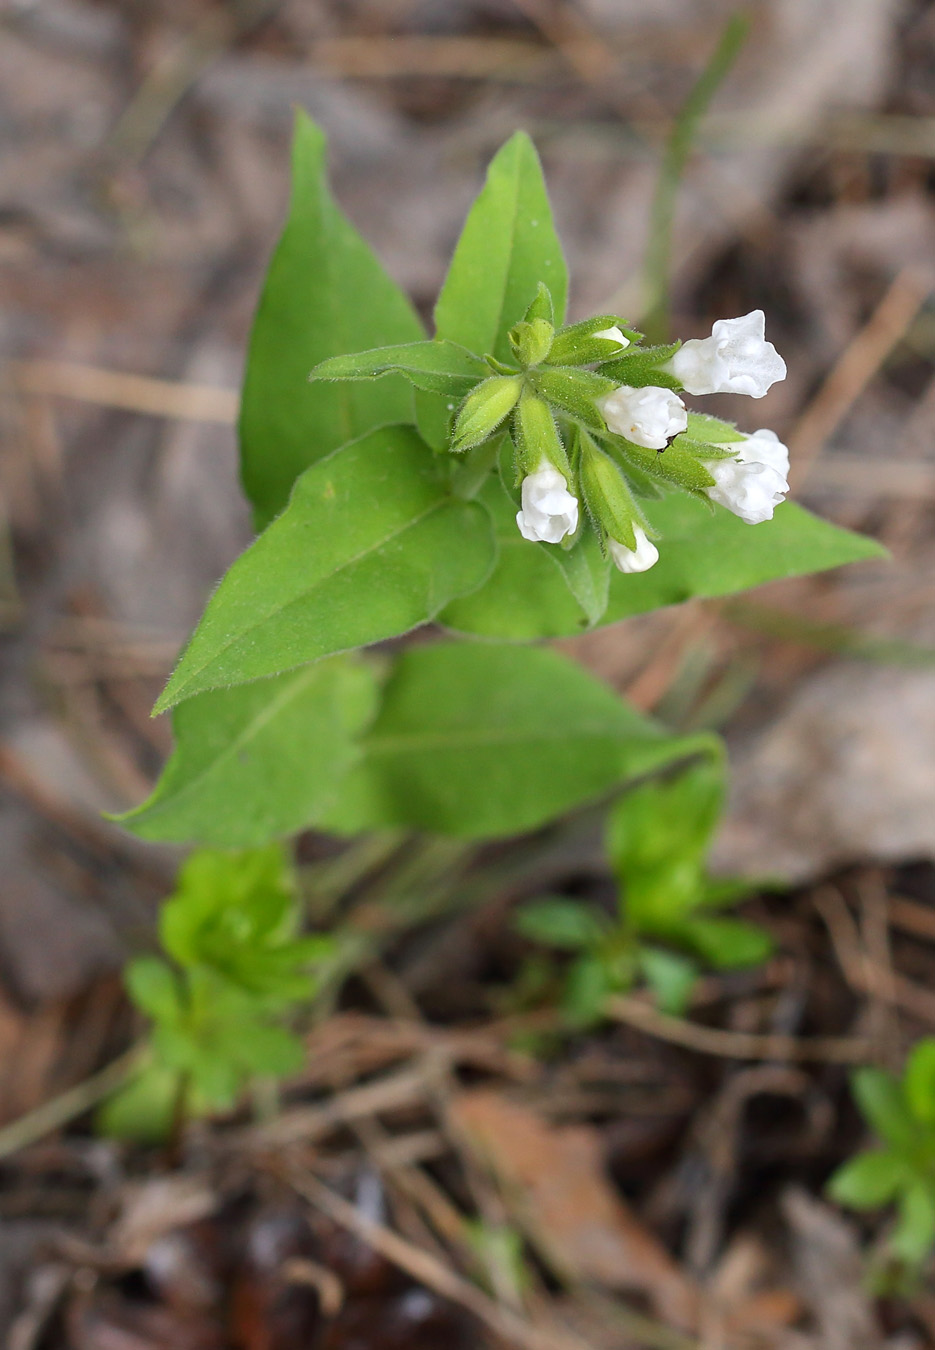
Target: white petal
<point>751,491</point>
<point>735,359</point>
<point>640,559</point>
<point>614,335</point>
<point>549,510</point>
<point>763,447</point>
<point>649,417</point>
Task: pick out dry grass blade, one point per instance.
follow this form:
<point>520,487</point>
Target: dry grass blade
<point>738,1044</point>
<point>855,368</point>
<point>134,393</point>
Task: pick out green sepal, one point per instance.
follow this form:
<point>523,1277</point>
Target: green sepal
<point>437,367</point>
<point>705,451</point>
<point>641,367</point>
<point>674,465</point>
<point>531,341</point>
<point>484,409</point>
<point>608,498</point>
<point>537,437</point>
<point>541,307</point>
<point>712,430</point>
<point>574,391</point>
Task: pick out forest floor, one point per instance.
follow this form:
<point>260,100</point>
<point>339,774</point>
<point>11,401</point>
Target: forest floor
<point>648,1183</point>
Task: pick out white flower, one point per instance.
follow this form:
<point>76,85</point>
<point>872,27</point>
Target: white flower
<point>647,417</point>
<point>549,510</point>
<point>751,490</point>
<point>640,559</point>
<point>735,359</point>
<point>763,447</point>
<point>614,335</point>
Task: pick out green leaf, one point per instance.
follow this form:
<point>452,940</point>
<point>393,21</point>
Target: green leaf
<point>370,546</point>
<point>439,367</point>
<point>659,824</point>
<point>671,978</point>
<point>557,922</point>
<point>153,988</point>
<point>144,1110</point>
<point>258,761</point>
<point>508,246</point>
<point>478,741</point>
<point>870,1180</point>
<point>587,986</point>
<point>727,944</point>
<point>708,554</point>
<point>535,590</point>
<point>884,1108</point>
<point>325,294</point>
<point>919,1080</point>
<point>914,1235</point>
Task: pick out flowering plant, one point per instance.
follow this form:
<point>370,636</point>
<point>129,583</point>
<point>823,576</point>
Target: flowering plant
<point>515,478</point>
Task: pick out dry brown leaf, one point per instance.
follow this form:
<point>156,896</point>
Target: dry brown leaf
<point>555,1178</point>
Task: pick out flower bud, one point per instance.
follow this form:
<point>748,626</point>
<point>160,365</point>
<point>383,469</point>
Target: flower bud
<point>531,341</point>
<point>549,510</point>
<point>750,490</point>
<point>484,409</point>
<point>735,359</point>
<point>600,339</point>
<point>639,559</point>
<point>648,416</point>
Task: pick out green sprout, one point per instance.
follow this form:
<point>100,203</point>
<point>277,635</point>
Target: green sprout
<point>901,1113</point>
<point>235,970</point>
<point>669,921</point>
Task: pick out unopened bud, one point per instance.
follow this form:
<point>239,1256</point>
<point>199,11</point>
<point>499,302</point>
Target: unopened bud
<point>484,409</point>
<point>531,341</point>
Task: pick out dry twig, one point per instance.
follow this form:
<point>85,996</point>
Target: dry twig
<point>738,1044</point>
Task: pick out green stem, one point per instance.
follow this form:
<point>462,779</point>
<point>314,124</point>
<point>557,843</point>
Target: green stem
<point>59,1111</point>
<point>658,260</point>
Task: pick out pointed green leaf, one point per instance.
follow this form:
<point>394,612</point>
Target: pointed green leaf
<point>535,590</point>
<point>869,1180</point>
<point>370,546</point>
<point>705,554</point>
<point>325,293</point>
<point>919,1080</point>
<point>671,978</point>
<point>478,741</point>
<point>258,761</point>
<point>557,921</point>
<point>507,247</point>
<point>726,944</point>
<point>884,1107</point>
<point>438,367</point>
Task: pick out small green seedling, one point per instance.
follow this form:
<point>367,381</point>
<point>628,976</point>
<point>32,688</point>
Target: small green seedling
<point>235,969</point>
<point>658,838</point>
<point>901,1113</point>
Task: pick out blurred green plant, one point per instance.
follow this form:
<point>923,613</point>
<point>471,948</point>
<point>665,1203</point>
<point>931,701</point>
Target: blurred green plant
<point>219,1002</point>
<point>658,839</point>
<point>901,1113</point>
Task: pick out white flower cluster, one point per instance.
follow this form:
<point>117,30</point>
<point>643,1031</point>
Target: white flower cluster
<point>736,359</point>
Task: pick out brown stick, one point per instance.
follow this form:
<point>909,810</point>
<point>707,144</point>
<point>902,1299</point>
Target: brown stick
<point>737,1044</point>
